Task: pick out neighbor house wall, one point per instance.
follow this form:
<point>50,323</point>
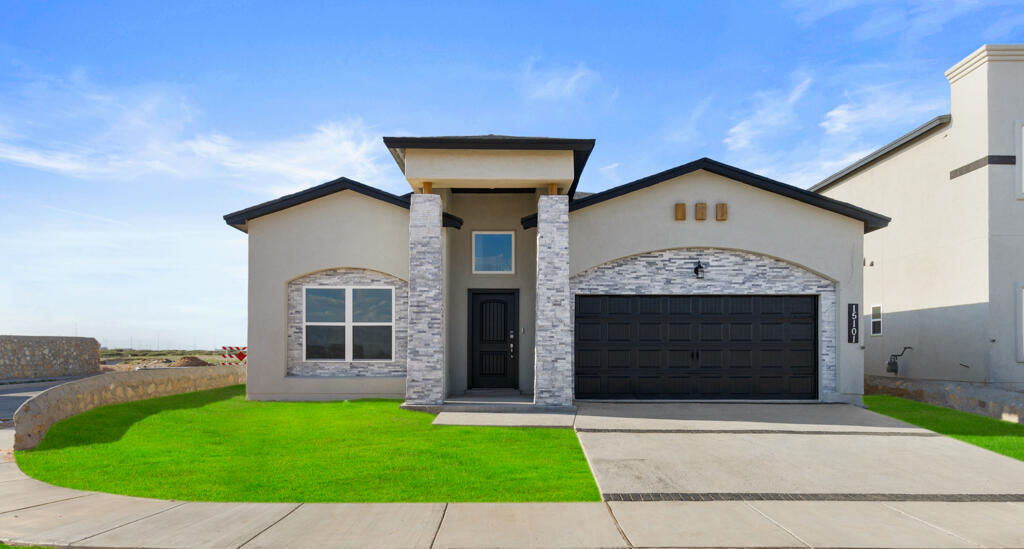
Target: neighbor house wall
<point>929,269</point>
<point>342,230</point>
<point>1006,218</point>
<point>759,222</point>
<point>490,212</point>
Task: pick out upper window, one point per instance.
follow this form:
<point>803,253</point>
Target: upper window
<point>876,320</point>
<point>349,323</point>
<point>493,252</point>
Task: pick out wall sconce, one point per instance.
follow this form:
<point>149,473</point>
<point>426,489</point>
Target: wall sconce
<point>699,269</point>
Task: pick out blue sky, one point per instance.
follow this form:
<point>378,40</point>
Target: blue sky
<point>127,129</point>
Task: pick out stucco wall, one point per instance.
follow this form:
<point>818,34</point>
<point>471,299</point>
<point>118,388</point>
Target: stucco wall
<point>760,222</point>
<point>36,415</point>
<point>490,212</point>
<point>342,230</point>
<point>928,269</point>
<point>28,357</point>
<point>1006,221</point>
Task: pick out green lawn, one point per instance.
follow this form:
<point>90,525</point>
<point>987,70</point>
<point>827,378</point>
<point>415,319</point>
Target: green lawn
<point>999,436</point>
<point>216,446</point>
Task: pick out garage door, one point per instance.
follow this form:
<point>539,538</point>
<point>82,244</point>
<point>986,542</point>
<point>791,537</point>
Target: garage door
<point>696,347</point>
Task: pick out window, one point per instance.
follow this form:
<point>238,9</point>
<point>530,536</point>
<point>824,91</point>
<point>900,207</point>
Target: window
<point>876,320</point>
<point>349,323</point>
<point>493,252</point>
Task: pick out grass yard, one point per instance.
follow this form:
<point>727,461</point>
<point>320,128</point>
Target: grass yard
<point>217,446</point>
<point>999,436</point>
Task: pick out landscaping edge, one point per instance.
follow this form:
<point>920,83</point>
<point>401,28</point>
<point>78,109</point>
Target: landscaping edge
<point>36,415</point>
<point>976,398</point>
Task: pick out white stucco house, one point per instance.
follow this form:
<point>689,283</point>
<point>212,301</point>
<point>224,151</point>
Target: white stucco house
<point>947,276</point>
<point>494,276</point>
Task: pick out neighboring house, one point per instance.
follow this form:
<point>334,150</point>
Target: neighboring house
<point>700,282</point>
<point>947,277</point>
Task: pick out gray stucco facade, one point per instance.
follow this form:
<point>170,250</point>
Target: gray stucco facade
<point>495,315</point>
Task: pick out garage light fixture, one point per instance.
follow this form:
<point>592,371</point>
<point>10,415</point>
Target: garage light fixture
<point>699,269</point>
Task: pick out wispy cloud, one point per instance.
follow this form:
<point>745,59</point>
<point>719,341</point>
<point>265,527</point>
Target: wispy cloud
<point>911,21</point>
<point>870,106</point>
<point>611,172</point>
<point>556,83</point>
<point>126,134</point>
<point>774,109</point>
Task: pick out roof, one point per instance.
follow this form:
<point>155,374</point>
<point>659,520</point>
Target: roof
<point>870,159</point>
<point>871,220</point>
<point>240,219</point>
<point>581,148</point>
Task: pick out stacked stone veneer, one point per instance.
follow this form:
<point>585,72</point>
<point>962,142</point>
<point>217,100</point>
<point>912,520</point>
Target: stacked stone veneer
<point>28,357</point>
<point>726,272</point>
<point>425,371</point>
<point>553,379</point>
<point>37,414</point>
<point>298,366</point>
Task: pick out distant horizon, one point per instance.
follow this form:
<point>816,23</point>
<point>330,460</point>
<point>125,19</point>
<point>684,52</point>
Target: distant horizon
<point>124,141</point>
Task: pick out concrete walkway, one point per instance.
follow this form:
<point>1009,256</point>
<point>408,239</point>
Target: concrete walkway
<point>688,487</point>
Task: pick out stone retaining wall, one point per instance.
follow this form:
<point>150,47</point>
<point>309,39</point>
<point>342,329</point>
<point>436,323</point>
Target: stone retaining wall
<point>37,414</point>
<point>28,357</point>
<point>976,398</point>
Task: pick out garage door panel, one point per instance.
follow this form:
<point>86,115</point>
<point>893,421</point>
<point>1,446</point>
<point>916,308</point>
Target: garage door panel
<point>696,347</point>
<point>648,332</point>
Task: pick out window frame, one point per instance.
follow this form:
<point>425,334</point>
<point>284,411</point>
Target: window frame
<point>472,257</point>
<point>872,320</point>
<point>349,323</point>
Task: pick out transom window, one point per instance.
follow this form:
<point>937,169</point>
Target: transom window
<point>494,252</point>
<point>348,323</point>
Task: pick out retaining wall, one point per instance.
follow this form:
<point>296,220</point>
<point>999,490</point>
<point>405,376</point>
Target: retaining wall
<point>976,398</point>
<point>28,357</point>
<point>36,415</point>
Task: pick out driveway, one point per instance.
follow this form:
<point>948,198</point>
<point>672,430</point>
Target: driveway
<point>821,452</point>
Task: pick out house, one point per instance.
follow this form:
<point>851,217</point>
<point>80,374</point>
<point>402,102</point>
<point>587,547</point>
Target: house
<point>494,276</point>
<point>947,277</point>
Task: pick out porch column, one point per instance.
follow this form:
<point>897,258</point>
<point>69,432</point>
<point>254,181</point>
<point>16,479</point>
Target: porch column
<point>552,379</point>
<point>425,376</point>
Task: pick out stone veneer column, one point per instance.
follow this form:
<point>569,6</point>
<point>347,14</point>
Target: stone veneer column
<point>552,379</point>
<point>425,375</point>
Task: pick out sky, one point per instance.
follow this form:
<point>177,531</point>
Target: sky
<point>128,129</point>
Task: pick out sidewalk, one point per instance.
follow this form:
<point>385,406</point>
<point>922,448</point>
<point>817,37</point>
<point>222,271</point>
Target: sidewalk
<point>32,512</point>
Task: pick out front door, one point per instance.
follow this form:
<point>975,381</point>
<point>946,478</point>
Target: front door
<point>493,339</point>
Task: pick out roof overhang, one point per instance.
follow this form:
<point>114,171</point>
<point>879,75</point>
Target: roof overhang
<point>872,221</point>
<point>240,219</point>
<point>491,161</point>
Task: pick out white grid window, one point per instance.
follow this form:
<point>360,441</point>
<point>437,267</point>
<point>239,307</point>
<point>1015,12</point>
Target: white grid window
<point>348,323</point>
<point>876,320</point>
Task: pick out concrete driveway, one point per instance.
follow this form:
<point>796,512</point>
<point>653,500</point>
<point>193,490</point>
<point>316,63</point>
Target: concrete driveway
<point>821,452</point>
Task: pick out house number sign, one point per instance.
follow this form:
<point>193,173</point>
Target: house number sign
<point>852,321</point>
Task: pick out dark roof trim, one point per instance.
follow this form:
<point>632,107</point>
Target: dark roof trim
<point>240,218</point>
<point>581,148</point>
<point>871,220</point>
<point>913,135</point>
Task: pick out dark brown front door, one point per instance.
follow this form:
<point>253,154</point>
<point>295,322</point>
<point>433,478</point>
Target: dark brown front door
<point>493,339</point>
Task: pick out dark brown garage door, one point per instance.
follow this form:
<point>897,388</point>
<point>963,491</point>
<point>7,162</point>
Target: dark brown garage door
<point>696,347</point>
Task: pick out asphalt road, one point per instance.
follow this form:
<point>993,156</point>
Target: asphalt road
<point>11,396</point>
